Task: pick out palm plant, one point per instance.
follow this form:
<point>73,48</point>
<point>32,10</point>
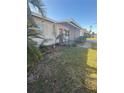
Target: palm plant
<point>39,4</point>
<point>33,53</point>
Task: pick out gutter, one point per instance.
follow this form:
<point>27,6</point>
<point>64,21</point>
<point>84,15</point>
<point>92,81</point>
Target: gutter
<point>46,18</point>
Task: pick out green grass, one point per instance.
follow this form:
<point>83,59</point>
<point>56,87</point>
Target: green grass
<point>91,58</point>
<point>91,73</point>
<point>91,38</point>
<point>94,45</point>
<point>69,70</point>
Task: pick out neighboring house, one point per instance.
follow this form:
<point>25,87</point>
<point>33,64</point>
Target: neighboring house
<point>94,35</point>
<point>86,32</point>
<point>70,30</point>
<point>82,32</point>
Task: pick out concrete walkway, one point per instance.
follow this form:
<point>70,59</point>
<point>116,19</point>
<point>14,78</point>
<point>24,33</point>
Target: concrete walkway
<point>91,41</point>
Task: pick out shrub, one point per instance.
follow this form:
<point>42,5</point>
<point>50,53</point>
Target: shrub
<point>33,56</point>
<point>43,49</point>
<point>73,44</point>
<point>80,39</point>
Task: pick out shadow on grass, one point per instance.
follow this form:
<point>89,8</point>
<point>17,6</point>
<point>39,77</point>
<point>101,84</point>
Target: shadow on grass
<point>87,87</point>
<point>65,71</point>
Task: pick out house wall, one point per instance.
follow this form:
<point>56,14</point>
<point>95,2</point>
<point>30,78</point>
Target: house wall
<point>82,32</point>
<point>47,32</point>
<point>74,32</point>
<point>50,31</point>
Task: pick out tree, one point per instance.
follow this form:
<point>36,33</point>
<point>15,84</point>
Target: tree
<point>37,3</point>
<point>93,33</point>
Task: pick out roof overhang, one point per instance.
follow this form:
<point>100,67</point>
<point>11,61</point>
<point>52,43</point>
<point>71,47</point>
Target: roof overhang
<point>45,18</point>
<point>72,22</point>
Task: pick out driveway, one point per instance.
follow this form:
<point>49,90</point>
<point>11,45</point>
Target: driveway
<point>88,44</point>
<point>91,41</point>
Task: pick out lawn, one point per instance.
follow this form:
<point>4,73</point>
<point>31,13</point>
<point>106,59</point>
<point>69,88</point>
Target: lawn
<point>91,38</point>
<point>68,70</point>
<point>91,58</point>
<point>91,76</point>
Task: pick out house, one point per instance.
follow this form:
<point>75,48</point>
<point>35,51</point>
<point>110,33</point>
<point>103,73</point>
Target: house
<point>94,35</point>
<point>70,29</point>
<point>47,28</point>
<point>56,32</point>
<point>82,32</point>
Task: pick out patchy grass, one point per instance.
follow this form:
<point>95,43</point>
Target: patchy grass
<point>94,46</point>
<point>68,70</point>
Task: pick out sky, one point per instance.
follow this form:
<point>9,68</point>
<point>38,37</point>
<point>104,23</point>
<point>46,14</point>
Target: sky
<point>82,11</point>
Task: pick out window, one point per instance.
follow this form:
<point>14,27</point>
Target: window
<point>40,26</point>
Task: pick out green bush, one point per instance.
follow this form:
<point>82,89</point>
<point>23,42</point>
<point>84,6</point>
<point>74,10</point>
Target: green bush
<point>73,44</point>
<point>80,39</point>
<point>33,56</point>
<point>43,49</point>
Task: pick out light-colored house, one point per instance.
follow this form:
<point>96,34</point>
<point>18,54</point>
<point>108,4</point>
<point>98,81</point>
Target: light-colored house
<point>70,28</point>
<point>51,30</point>
<point>67,30</point>
<point>47,28</point>
<point>83,31</point>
